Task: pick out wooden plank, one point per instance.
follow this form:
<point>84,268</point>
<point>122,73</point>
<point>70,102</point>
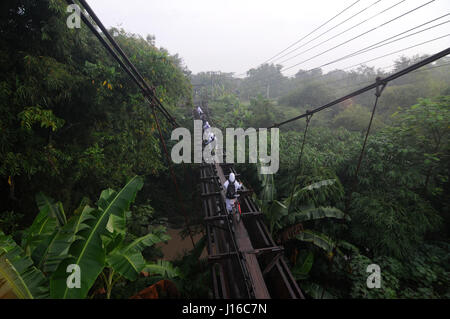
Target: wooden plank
<point>221,256</point>
<point>245,246</point>
<point>272,263</point>
<point>210,194</point>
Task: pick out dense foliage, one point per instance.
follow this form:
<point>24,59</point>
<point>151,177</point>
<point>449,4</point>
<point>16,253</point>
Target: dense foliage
<point>73,125</point>
<point>72,121</point>
<point>95,239</point>
<point>398,217</point>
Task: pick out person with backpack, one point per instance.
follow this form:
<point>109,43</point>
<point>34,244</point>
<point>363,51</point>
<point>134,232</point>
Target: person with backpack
<point>210,139</point>
<point>231,186</point>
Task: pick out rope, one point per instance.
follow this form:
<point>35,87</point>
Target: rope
<point>148,92</point>
<point>379,89</point>
<point>387,79</point>
<point>308,119</point>
<point>174,179</point>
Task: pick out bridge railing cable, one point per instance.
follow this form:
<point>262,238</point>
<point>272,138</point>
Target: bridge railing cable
<point>379,89</point>
<point>114,49</point>
<point>148,91</point>
<point>307,35</point>
<point>325,32</point>
<point>387,79</point>
<point>356,37</point>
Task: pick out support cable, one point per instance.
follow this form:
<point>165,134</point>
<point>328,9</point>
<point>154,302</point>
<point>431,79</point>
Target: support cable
<point>304,37</point>
<point>149,92</point>
<point>126,59</point>
<point>354,38</point>
<point>378,90</point>
<point>308,119</point>
<point>174,179</point>
<point>330,29</point>
<point>384,42</point>
<point>348,29</point>
<point>387,79</point>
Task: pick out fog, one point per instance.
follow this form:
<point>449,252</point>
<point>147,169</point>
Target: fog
<point>234,36</point>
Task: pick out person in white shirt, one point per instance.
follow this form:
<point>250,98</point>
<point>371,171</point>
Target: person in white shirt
<point>231,187</point>
<point>211,137</point>
<point>207,130</point>
<point>206,126</point>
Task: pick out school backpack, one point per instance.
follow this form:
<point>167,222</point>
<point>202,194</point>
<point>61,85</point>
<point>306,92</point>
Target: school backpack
<point>231,190</point>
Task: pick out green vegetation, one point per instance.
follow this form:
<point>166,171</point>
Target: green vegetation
<point>399,213</point>
<point>73,125</point>
<point>398,217</point>
<point>95,239</point>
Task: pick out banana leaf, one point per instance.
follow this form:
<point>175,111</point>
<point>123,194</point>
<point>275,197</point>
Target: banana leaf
<point>50,219</point>
<point>87,251</point>
<point>301,270</point>
<point>163,268</point>
<point>18,277</point>
<point>128,260</point>
<point>320,240</point>
<point>319,213</point>
<point>55,248</point>
<point>52,209</point>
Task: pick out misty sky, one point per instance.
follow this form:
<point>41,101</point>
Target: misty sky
<point>234,36</point>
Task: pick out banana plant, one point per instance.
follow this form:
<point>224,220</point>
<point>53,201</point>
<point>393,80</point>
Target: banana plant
<point>125,260</point>
<point>19,278</point>
<point>317,291</point>
<point>51,218</point>
<point>286,217</point>
<point>300,271</point>
<point>163,268</point>
<point>94,239</point>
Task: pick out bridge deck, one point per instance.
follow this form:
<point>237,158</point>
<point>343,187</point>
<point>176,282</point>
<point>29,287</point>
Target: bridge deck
<point>246,262</point>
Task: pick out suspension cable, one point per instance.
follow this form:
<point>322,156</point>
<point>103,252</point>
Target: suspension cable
<point>304,37</point>
<point>386,42</point>
<point>387,79</point>
<point>348,29</point>
<point>174,179</point>
<point>148,92</point>
<point>330,29</point>
<point>308,119</point>
<point>378,90</point>
<point>127,60</point>
<point>356,37</point>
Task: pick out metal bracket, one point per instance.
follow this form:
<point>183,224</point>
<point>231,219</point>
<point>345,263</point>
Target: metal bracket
<point>218,257</point>
<point>210,194</point>
<point>308,115</point>
<point>266,250</point>
<point>219,227</point>
<point>272,263</point>
<point>214,218</point>
<point>380,86</point>
<point>245,192</point>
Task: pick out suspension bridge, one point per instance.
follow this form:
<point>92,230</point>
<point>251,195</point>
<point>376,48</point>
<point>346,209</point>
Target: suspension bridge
<point>245,260</point>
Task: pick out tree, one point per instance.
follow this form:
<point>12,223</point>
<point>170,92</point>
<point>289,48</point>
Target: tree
<point>72,121</point>
<point>95,240</point>
<point>309,95</point>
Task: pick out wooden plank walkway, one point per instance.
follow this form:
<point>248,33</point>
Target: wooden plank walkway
<point>246,248</point>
